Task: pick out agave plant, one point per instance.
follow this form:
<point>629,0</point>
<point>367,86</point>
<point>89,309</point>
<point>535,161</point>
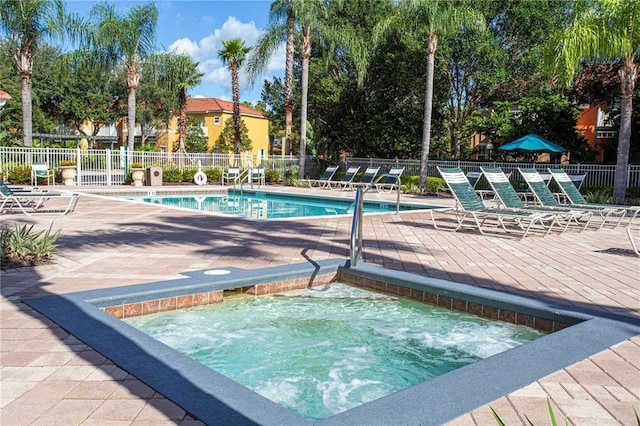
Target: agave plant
<point>601,196</point>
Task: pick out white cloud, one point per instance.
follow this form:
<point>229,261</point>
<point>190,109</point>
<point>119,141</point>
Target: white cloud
<point>205,52</point>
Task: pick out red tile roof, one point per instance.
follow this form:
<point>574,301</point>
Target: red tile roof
<point>204,105</point>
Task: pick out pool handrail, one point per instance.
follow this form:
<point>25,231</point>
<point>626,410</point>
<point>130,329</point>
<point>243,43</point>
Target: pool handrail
<point>356,252</point>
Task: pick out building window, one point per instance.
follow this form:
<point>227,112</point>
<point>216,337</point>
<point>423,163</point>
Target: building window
<point>216,120</point>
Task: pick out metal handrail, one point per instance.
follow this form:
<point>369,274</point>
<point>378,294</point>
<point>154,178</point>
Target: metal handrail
<point>240,178</point>
<point>356,250</point>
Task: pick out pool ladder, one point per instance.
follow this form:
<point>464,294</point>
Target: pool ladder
<point>356,251</point>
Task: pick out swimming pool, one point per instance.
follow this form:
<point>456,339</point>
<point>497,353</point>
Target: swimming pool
<point>324,350</point>
<point>271,205</point>
<point>92,317</point>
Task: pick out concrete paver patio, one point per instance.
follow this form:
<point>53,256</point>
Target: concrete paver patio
<point>50,377</point>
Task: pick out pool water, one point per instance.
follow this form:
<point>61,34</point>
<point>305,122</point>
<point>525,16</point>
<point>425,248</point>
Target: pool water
<point>325,350</point>
<point>263,205</point>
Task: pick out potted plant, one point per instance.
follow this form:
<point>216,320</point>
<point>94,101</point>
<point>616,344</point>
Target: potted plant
<point>137,173</point>
<point>68,171</point>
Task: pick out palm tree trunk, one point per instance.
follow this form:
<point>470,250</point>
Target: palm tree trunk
<point>237,124</point>
<point>627,81</point>
<point>182,119</point>
<point>288,85</point>
<point>131,119</point>
<point>27,110</point>
<point>24,59</point>
<point>306,54</point>
<point>432,44</point>
<point>133,79</point>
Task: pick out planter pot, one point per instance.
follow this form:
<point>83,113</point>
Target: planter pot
<point>136,177</point>
<point>68,175</point>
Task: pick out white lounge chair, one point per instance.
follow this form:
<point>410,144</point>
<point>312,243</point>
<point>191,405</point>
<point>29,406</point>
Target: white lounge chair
<point>30,202</point>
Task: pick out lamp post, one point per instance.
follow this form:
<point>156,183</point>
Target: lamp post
<point>489,149</point>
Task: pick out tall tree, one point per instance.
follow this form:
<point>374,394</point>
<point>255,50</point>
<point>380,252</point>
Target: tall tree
<point>27,23</point>
<point>125,40</point>
<point>437,19</point>
<point>83,92</point>
<point>233,55</point>
<point>604,31</point>
<point>310,15</point>
<point>281,27</point>
<point>178,73</point>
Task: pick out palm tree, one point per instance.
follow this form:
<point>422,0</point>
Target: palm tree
<point>281,27</point>
<point>178,73</point>
<point>233,55</point>
<point>609,31</point>
<point>438,19</point>
<point>27,23</point>
<point>126,40</point>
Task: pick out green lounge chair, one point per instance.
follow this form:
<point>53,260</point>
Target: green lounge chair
<point>545,197</point>
<point>325,180</point>
<point>346,180</point>
<point>509,198</point>
<point>389,181</point>
<point>30,202</point>
<point>575,198</point>
<point>367,179</point>
<point>469,204</point>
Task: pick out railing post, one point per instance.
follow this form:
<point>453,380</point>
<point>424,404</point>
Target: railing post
<point>78,167</point>
<point>108,162</point>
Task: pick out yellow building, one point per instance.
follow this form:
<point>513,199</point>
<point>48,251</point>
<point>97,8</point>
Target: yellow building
<point>212,114</point>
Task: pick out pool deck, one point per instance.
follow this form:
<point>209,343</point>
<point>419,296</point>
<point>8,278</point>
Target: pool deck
<point>50,377</point>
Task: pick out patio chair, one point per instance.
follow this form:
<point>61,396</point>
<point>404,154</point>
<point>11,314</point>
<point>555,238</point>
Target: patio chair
<point>232,175</point>
<point>325,180</point>
<point>469,204</point>
<point>346,180</point>
<point>257,175</point>
<point>40,170</point>
<point>575,198</point>
<point>632,240</point>
<point>507,197</point>
<point>545,197</point>
<point>30,202</point>
<point>390,180</point>
<point>367,178</point>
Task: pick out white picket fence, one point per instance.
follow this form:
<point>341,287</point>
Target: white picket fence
<point>109,167</point>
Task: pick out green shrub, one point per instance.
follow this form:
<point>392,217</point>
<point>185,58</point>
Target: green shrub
<point>595,188</point>
<point>411,184</point>
<point>213,175</point>
<point>187,175</point>
<point>171,175</point>
<point>291,176</point>
<point>24,247</point>
<point>601,196</point>
<point>16,173</point>
<point>272,176</point>
<point>633,193</point>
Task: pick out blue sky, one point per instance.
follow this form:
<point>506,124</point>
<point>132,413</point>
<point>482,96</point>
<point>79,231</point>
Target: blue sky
<point>197,28</point>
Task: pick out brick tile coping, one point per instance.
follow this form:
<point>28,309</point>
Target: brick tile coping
<point>172,303</point>
<point>215,399</point>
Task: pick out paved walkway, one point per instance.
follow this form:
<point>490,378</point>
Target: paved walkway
<point>50,377</point>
